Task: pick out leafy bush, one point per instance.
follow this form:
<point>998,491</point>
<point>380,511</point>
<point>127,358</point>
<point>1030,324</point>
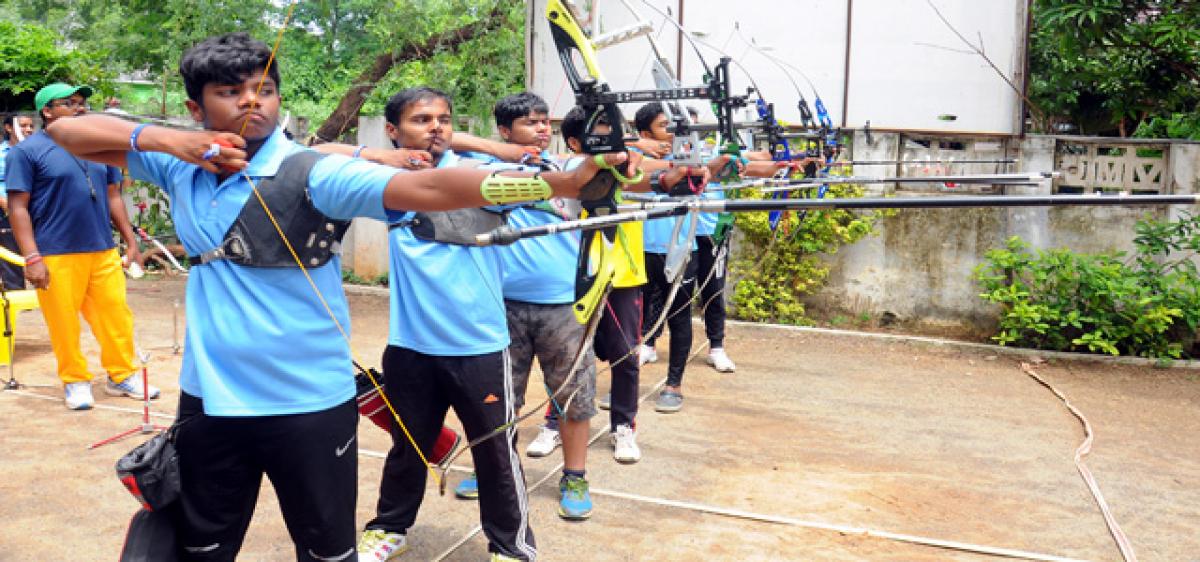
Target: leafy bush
<point>1147,305</point>
<point>1176,126</point>
<point>152,210</point>
<point>775,269</point>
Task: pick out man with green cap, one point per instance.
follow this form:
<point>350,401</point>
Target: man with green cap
<point>63,210</point>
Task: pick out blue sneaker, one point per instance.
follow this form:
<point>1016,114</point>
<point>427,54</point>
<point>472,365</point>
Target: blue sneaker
<point>576,503</point>
<point>468,489</point>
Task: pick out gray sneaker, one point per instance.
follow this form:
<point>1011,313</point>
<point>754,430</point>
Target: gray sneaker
<point>605,403</point>
<point>668,402</point>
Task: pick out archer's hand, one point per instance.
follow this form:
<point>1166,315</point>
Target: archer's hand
<point>697,176</point>
<point>519,154</point>
<point>402,158</point>
<point>133,254</point>
<point>590,182</point>
<point>716,166</point>
<point>652,148</point>
<point>193,146</point>
<point>38,275</point>
<point>765,169</point>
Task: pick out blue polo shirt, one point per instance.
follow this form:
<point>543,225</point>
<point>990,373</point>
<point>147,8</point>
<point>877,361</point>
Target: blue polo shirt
<point>658,234</point>
<point>258,341</point>
<point>447,300</point>
<point>708,221</point>
<point>68,197</point>
<point>540,270</point>
<point>4,148</point>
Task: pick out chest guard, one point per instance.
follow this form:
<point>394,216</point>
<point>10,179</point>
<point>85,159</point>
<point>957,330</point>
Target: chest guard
<point>253,241</point>
<point>458,227</point>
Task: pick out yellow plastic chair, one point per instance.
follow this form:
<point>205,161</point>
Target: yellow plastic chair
<point>25,299</point>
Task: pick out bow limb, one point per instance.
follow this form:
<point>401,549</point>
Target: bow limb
<point>595,266</point>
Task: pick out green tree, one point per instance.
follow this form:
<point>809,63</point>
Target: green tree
<point>1110,66</point>
<point>327,47</point>
<point>31,58</point>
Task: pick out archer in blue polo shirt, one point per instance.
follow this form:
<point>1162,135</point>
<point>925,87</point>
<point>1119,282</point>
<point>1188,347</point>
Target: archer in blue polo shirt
<point>266,379</point>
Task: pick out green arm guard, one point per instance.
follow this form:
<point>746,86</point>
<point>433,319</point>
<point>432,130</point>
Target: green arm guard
<point>501,190</point>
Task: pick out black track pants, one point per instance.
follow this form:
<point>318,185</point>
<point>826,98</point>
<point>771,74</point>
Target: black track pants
<point>479,388</point>
<point>311,459</point>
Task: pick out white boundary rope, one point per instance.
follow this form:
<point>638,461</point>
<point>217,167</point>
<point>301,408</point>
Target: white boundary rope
<point>843,529</point>
<point>1084,448</point>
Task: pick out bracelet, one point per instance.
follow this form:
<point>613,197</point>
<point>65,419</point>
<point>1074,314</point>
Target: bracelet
<point>133,137</point>
<point>656,181</point>
<point>32,259</point>
<point>358,151</point>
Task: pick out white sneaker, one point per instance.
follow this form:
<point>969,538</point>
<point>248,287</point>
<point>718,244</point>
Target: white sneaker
<point>79,395</point>
<point>625,447</point>
<point>719,361</point>
<point>545,443</point>
<point>131,387</point>
<point>647,354</point>
<point>377,545</point>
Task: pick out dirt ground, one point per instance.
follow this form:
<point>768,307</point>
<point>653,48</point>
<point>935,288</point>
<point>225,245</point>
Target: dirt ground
<point>941,442</point>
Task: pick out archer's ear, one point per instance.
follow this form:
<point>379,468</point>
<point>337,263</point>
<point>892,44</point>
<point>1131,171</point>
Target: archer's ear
<point>196,110</point>
<point>505,132</point>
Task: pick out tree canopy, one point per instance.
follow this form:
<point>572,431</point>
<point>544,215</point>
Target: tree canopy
<point>326,46</point>
<point>1116,67</point>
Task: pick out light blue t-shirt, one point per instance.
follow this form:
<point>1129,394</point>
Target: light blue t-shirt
<point>657,233</point>
<point>447,300</point>
<point>258,340</point>
<point>4,147</point>
<point>540,270</point>
<point>708,221</point>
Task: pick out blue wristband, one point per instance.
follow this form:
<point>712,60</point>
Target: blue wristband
<point>133,137</point>
<point>358,151</point>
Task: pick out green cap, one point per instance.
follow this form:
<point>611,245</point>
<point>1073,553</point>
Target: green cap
<point>58,90</point>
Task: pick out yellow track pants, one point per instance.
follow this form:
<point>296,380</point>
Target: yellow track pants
<point>91,283</point>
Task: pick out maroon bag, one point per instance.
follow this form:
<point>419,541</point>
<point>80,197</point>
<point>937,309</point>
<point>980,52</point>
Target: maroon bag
<point>371,405</point>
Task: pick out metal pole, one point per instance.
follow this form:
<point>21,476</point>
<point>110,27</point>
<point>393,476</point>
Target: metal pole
<point>646,210</point>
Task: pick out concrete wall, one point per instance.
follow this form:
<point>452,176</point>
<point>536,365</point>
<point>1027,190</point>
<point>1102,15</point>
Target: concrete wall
<point>920,265</point>
<point>365,248</point>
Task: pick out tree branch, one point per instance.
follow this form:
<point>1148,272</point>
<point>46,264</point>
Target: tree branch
<point>345,115</point>
<point>1038,114</point>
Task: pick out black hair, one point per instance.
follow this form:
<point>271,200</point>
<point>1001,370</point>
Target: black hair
<point>516,106</point>
<point>573,124</point>
<point>646,115</point>
<point>225,59</point>
<point>401,100</point>
<point>7,121</point>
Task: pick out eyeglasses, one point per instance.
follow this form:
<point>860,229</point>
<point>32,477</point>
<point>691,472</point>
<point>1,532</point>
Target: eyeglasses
<point>70,104</point>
